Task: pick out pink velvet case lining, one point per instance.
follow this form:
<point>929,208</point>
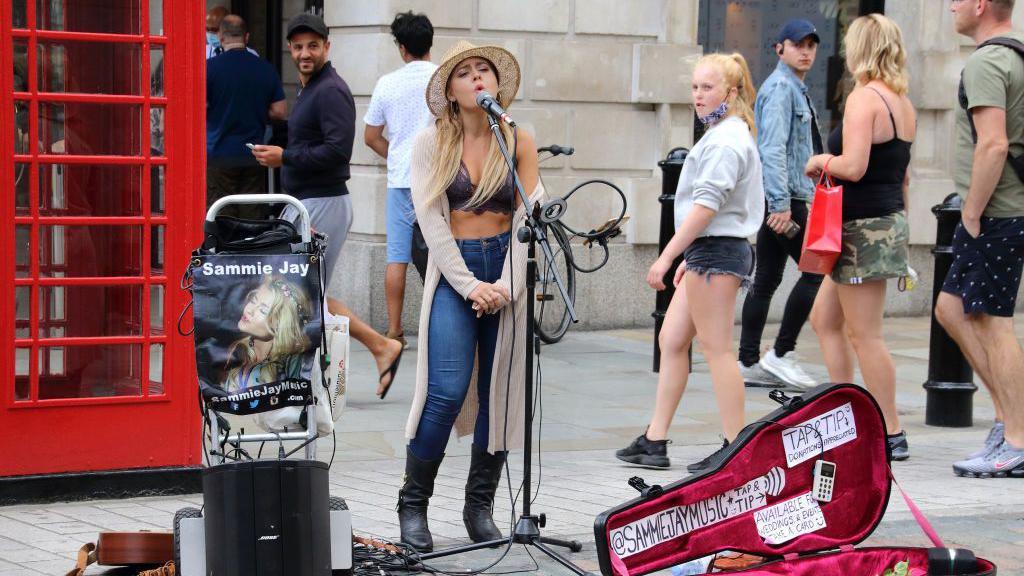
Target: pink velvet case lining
<point>861,562</point>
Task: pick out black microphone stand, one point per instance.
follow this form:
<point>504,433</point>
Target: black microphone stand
<point>527,530</point>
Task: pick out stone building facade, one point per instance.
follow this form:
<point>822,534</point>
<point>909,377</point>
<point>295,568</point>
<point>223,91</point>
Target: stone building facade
<point>611,78</point>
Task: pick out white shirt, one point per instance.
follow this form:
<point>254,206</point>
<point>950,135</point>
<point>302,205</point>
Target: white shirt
<point>399,102</point>
<point>723,173</point>
<point>211,51</point>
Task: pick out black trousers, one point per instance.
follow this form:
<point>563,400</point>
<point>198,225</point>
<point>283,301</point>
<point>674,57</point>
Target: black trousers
<point>772,252</point>
<point>224,180</point>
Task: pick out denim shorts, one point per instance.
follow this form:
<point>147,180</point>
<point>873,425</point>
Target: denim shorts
<point>399,216</point>
<point>721,255</point>
<point>986,270</point>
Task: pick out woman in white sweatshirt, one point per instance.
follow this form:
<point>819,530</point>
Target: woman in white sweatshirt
<point>719,204</point>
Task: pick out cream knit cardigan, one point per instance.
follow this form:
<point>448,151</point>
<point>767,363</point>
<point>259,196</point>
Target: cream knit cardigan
<point>445,258</point>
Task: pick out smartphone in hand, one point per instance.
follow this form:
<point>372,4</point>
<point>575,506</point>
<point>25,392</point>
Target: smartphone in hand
<point>250,146</point>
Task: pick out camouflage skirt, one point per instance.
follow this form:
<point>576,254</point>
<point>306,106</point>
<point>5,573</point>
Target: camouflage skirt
<point>873,249</point>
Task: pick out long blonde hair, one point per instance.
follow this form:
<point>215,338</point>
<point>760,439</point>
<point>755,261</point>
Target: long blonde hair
<point>875,51</point>
<point>736,74</point>
<point>448,156</point>
<point>289,308</point>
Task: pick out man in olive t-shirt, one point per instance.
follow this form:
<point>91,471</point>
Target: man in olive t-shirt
<point>979,294</point>
<point>994,77</point>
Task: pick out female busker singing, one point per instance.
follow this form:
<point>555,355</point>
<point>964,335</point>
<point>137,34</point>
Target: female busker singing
<point>472,320</point>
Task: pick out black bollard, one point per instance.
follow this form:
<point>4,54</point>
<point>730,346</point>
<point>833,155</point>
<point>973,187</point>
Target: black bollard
<point>671,166</point>
<point>950,384</point>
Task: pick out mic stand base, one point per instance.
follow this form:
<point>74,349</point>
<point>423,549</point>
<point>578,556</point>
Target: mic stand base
<point>527,532</point>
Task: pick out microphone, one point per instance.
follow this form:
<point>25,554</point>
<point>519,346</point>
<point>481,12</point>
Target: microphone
<point>491,106</point>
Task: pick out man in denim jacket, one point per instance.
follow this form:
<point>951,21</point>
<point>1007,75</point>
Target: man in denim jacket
<point>787,135</point>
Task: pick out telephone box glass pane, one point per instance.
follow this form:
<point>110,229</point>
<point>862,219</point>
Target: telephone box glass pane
<point>89,67</point>
<point>22,295</point>
<point>21,192</point>
<point>156,369</point>
<point>156,17</point>
<point>106,16</point>
<point>20,127</point>
<point>90,371</point>
<point>158,249</point>
<point>89,311</point>
<point>156,71</point>
<point>19,14</point>
<point>82,128</point>
<point>20,65</point>
<point>156,310</point>
<point>83,251</point>
<point>157,198</point>
<point>90,190</point>
<point>22,234</point>
<point>22,363</point>
<point>156,130</point>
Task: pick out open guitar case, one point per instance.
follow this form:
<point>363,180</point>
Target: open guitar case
<point>759,500</point>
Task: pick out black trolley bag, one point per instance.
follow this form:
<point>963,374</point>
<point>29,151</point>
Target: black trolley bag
<point>760,500</point>
<point>257,288</point>
<point>257,296</point>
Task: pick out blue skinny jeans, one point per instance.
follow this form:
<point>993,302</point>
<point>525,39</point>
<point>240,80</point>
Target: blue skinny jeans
<point>456,337</point>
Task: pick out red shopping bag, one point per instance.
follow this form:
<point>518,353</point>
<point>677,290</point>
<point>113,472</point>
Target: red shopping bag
<point>823,239</point>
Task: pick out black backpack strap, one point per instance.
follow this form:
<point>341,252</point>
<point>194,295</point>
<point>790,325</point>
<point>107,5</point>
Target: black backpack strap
<point>1006,41</point>
<point>1017,163</point>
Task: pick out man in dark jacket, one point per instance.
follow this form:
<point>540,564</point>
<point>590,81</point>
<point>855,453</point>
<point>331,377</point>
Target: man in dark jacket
<point>315,167</point>
<point>243,94</point>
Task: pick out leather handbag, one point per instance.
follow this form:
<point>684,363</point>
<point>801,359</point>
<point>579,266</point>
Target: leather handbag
<point>129,549</point>
<point>419,250</point>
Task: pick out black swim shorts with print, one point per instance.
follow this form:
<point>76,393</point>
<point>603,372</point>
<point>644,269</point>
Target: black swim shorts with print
<point>986,270</point>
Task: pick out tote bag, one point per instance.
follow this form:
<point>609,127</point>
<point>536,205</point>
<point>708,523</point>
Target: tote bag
<point>330,388</point>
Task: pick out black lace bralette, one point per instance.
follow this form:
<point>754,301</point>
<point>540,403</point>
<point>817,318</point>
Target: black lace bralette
<point>461,190</point>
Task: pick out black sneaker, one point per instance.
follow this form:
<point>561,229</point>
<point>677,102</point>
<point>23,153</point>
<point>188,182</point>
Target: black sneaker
<point>709,462</point>
<point>644,452</point>
<point>898,446</point>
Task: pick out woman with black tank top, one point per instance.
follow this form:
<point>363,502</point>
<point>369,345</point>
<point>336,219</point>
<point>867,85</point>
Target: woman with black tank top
<point>870,155</point>
<point>472,321</point>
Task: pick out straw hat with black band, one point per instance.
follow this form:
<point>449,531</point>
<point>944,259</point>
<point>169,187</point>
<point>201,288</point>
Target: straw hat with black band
<point>506,68</point>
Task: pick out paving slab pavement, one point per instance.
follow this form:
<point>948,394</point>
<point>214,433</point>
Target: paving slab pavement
<point>597,392</point>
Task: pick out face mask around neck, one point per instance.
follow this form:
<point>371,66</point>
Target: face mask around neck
<point>715,115</point>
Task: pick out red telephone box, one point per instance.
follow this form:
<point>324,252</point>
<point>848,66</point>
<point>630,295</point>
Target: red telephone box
<point>105,167</point>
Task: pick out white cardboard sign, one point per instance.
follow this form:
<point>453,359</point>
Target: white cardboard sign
<point>677,521</point>
<point>788,519</point>
<point>819,435</point>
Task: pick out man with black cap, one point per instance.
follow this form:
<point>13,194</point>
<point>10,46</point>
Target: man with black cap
<point>315,166</point>
<point>787,135</point>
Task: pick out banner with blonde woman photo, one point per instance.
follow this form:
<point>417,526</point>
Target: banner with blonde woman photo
<point>257,324</point>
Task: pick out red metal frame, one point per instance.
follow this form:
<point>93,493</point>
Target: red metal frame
<point>40,435</point>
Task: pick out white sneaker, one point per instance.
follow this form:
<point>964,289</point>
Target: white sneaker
<point>786,369</point>
<point>756,377</point>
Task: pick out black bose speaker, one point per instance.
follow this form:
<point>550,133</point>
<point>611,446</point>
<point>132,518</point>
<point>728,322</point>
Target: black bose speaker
<point>267,518</point>
<point>951,561</point>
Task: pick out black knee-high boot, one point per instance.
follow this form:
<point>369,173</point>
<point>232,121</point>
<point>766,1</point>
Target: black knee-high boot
<point>484,475</point>
<point>413,499</point>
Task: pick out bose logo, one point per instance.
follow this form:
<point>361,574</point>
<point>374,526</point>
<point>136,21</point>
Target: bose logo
<point>274,537</point>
